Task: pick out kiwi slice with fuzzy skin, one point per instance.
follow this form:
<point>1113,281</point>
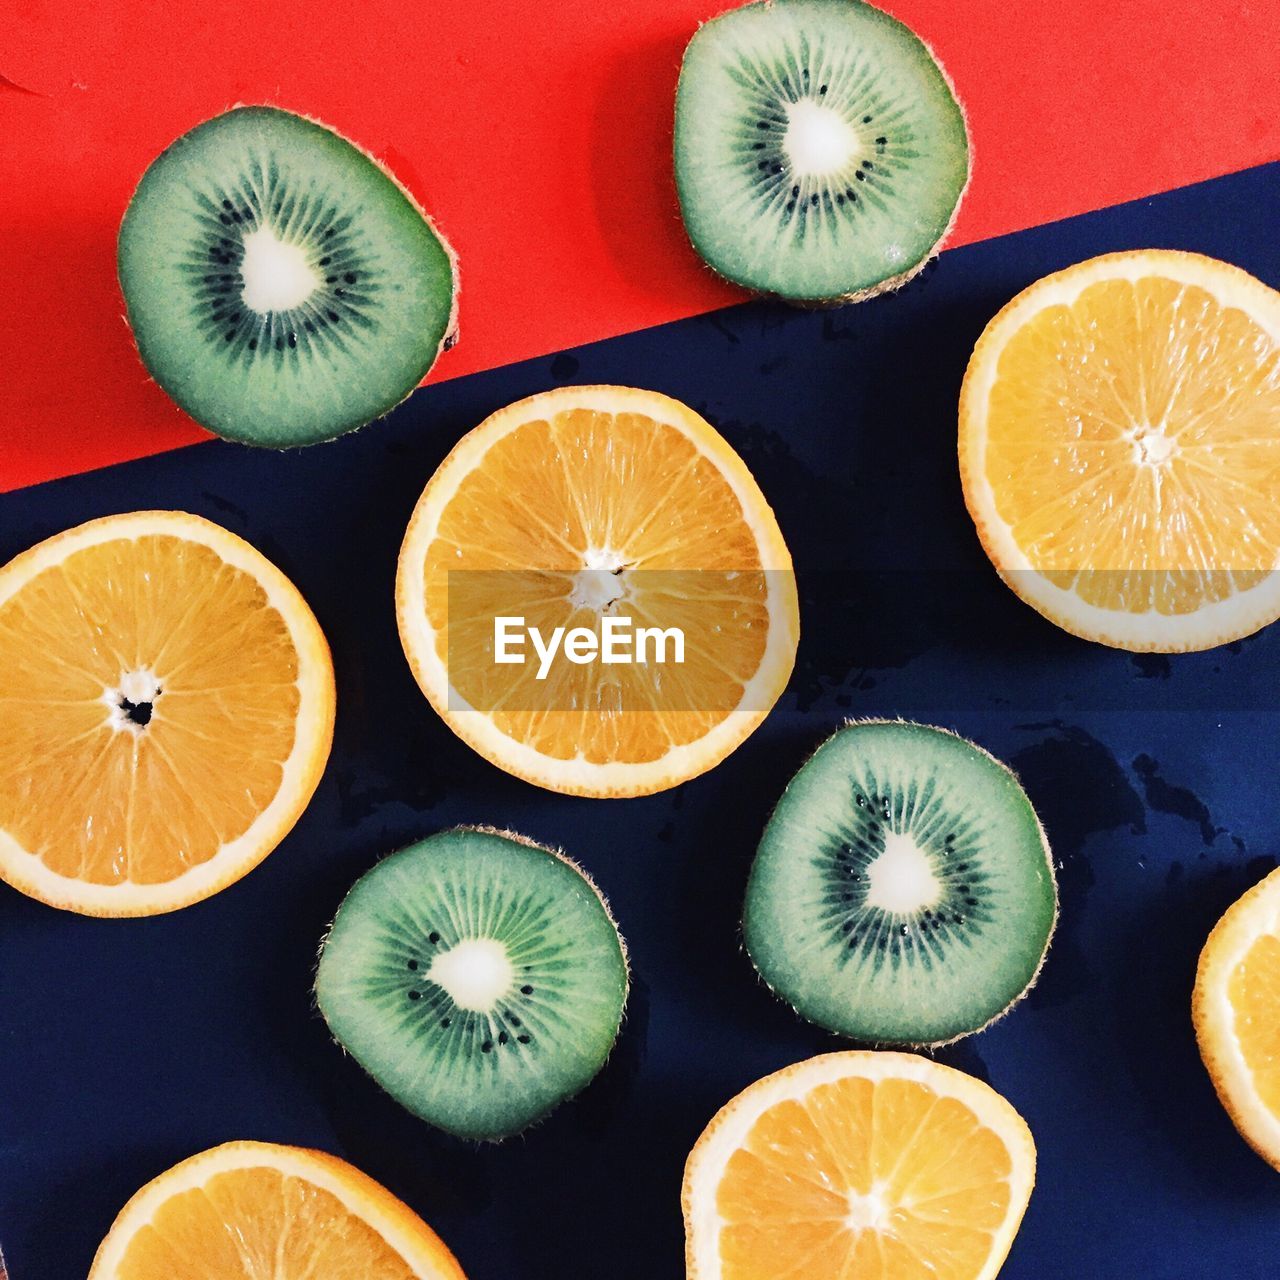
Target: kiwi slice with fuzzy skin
<point>820,151</point>
<point>903,892</point>
<point>478,977</point>
<point>281,286</point>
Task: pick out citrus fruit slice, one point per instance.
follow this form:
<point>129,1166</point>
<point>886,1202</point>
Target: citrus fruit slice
<point>257,1211</point>
<point>571,509</point>
<point>883,1166</point>
<point>1120,449</point>
<point>166,710</point>
<point>1236,1009</point>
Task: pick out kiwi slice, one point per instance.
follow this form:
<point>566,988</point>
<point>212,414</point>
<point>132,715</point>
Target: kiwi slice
<point>820,152</point>
<point>903,892</point>
<point>281,286</point>
<point>477,977</point>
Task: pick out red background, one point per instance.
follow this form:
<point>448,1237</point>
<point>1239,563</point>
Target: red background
<point>537,135</point>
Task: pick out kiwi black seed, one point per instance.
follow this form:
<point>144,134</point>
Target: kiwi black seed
<point>281,286</point>
<point>478,977</point>
<point>903,892</point>
<point>820,152</point>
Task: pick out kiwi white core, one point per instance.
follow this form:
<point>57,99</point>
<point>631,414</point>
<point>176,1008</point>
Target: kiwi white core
<point>276,275</point>
<point>476,974</point>
<point>819,140</point>
<point>901,879</point>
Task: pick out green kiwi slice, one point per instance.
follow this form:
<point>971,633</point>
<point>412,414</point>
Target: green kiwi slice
<point>281,286</point>
<point>820,152</point>
<point>903,892</point>
<point>477,977</point>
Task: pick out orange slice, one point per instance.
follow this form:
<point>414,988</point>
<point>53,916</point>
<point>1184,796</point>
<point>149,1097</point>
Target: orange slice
<point>166,710</point>
<point>256,1211</point>
<point>880,1166</point>
<point>564,510</point>
<point>1120,449</point>
<point>1236,1009</point>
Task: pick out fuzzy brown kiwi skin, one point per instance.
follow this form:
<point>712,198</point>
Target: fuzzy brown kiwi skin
<point>928,1045</point>
<point>893,283</point>
<point>448,341</point>
<point>560,856</point>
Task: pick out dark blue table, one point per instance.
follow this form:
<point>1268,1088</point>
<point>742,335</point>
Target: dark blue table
<point>127,1045</point>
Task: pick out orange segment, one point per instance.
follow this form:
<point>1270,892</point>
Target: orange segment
<point>1254,993</point>
<point>1120,449</point>
<point>571,507</point>
<point>254,1211</point>
<point>167,712</point>
<point>877,1165</point>
<point>908,1165</point>
<point>1236,1010</point>
<point>274,1215</point>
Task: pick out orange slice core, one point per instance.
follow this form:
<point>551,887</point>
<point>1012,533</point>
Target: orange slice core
<point>151,693</point>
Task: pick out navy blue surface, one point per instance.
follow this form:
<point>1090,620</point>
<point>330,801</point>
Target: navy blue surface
<point>128,1045</point>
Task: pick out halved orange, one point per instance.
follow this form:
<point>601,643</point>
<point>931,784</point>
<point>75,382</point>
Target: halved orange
<point>880,1166</point>
<point>166,711</point>
<point>570,508</point>
<point>1120,449</point>
<point>1236,1010</point>
<point>257,1211</point>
